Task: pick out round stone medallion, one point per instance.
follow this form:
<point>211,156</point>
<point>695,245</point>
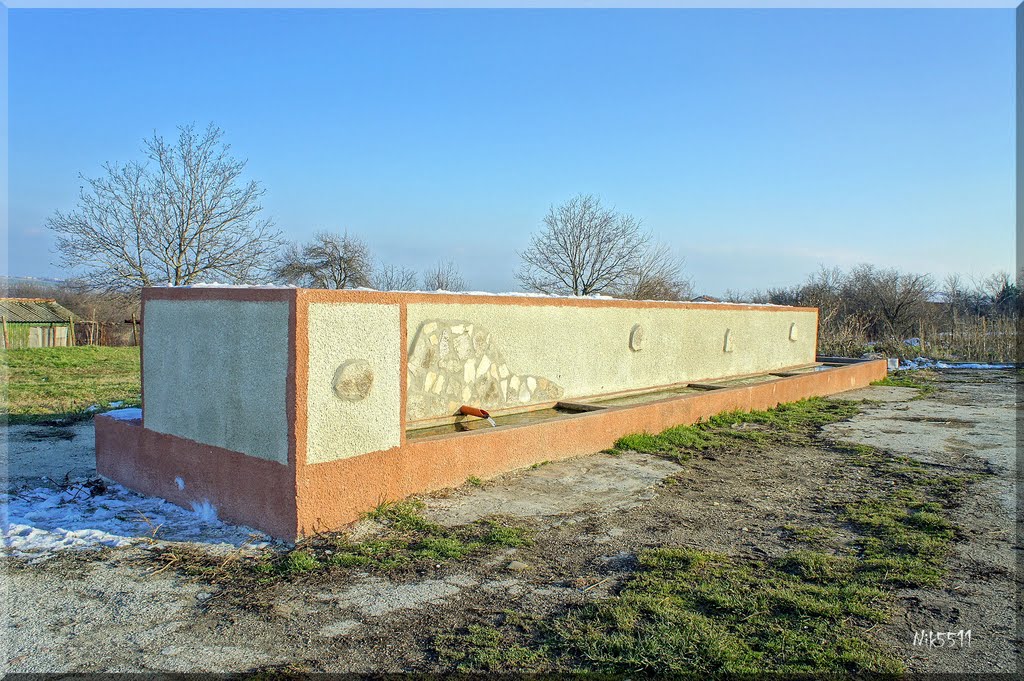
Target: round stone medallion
<point>353,380</point>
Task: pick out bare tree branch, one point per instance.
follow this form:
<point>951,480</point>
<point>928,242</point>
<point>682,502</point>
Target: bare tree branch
<point>444,276</point>
<point>182,217</point>
<point>328,261</point>
<point>586,249</point>
<point>393,278</point>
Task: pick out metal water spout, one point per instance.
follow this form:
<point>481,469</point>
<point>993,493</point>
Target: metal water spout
<point>480,413</point>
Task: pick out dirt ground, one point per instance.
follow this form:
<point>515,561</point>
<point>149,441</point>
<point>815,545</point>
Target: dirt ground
<point>115,610</point>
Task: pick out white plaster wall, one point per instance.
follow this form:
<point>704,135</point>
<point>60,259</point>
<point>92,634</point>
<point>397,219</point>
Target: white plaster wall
<point>340,332</point>
<point>215,371</point>
<point>586,350</point>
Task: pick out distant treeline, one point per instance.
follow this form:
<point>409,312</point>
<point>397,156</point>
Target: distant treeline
<point>905,314</point>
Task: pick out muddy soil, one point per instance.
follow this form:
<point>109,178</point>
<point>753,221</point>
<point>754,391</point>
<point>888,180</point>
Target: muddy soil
<point>116,611</point>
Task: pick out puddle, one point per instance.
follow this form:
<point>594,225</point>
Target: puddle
<point>472,423</point>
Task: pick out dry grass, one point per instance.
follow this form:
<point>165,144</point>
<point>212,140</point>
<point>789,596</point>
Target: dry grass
<point>974,339</point>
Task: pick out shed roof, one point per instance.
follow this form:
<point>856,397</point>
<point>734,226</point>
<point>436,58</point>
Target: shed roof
<point>34,310</point>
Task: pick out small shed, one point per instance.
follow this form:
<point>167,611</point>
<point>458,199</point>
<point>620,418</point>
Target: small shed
<point>35,323</point>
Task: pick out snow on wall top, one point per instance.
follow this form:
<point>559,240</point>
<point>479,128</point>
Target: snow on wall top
<point>505,294</point>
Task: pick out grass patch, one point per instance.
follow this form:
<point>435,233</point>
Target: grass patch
<point>62,383</point>
<point>490,649</point>
<point>406,540</point>
<point>701,614</point>
<point>910,378</point>
<point>810,535</point>
<point>785,423</point>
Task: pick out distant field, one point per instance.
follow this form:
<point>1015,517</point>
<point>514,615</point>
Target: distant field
<point>48,383</point>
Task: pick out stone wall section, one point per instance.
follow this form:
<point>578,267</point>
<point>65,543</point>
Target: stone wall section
<point>455,362</point>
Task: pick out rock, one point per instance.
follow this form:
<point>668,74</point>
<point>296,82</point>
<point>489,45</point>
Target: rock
<point>353,380</point>
<point>518,566</point>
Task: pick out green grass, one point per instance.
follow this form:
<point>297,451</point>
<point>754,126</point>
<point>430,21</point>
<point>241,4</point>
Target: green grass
<point>702,614</point>
<point>693,613</point>
<point>406,541</point>
<point>795,420</point>
<point>50,383</point>
<point>698,614</point>
<point>407,538</point>
<point>910,378</point>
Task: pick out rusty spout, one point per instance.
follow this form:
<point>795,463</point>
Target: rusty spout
<point>474,411</point>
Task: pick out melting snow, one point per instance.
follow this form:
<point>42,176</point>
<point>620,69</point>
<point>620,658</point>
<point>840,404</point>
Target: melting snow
<point>38,522</point>
<point>504,294</point>
<point>925,363</point>
<point>129,414</point>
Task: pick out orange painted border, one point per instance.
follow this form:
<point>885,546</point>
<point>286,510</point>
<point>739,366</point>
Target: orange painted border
<point>290,502</point>
<point>244,489</point>
<point>338,492</point>
<point>398,298</point>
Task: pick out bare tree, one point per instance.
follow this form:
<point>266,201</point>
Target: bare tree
<point>444,276</point>
<point>583,249</point>
<point>737,296</point>
<point>181,216</point>
<point>328,261</point>
<point>657,275</point>
<point>894,299</point>
<point>393,278</point>
<point>953,293</point>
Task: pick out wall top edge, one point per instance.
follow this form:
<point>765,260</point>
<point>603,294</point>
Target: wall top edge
<point>241,294</point>
<point>418,297</point>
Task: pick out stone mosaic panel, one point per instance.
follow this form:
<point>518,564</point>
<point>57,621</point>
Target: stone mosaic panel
<point>454,362</point>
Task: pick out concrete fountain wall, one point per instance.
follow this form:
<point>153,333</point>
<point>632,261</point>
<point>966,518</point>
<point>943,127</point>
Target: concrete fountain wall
<point>288,409</point>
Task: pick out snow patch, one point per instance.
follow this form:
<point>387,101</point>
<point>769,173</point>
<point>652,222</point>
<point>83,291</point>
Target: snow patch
<point>179,482</point>
<point>129,414</point>
<point>206,511</point>
<point>504,294</point>
<point>39,522</point>
<point>926,363</point>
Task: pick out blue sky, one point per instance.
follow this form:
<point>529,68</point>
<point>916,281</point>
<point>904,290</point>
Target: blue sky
<point>758,143</point>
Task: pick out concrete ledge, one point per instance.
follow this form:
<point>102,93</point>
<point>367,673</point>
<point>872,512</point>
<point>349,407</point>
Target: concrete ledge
<point>298,500</point>
<point>335,493</point>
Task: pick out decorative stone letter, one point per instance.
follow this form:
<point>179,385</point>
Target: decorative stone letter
<point>636,338</point>
<point>353,380</point>
<point>792,332</point>
<point>727,347</point>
